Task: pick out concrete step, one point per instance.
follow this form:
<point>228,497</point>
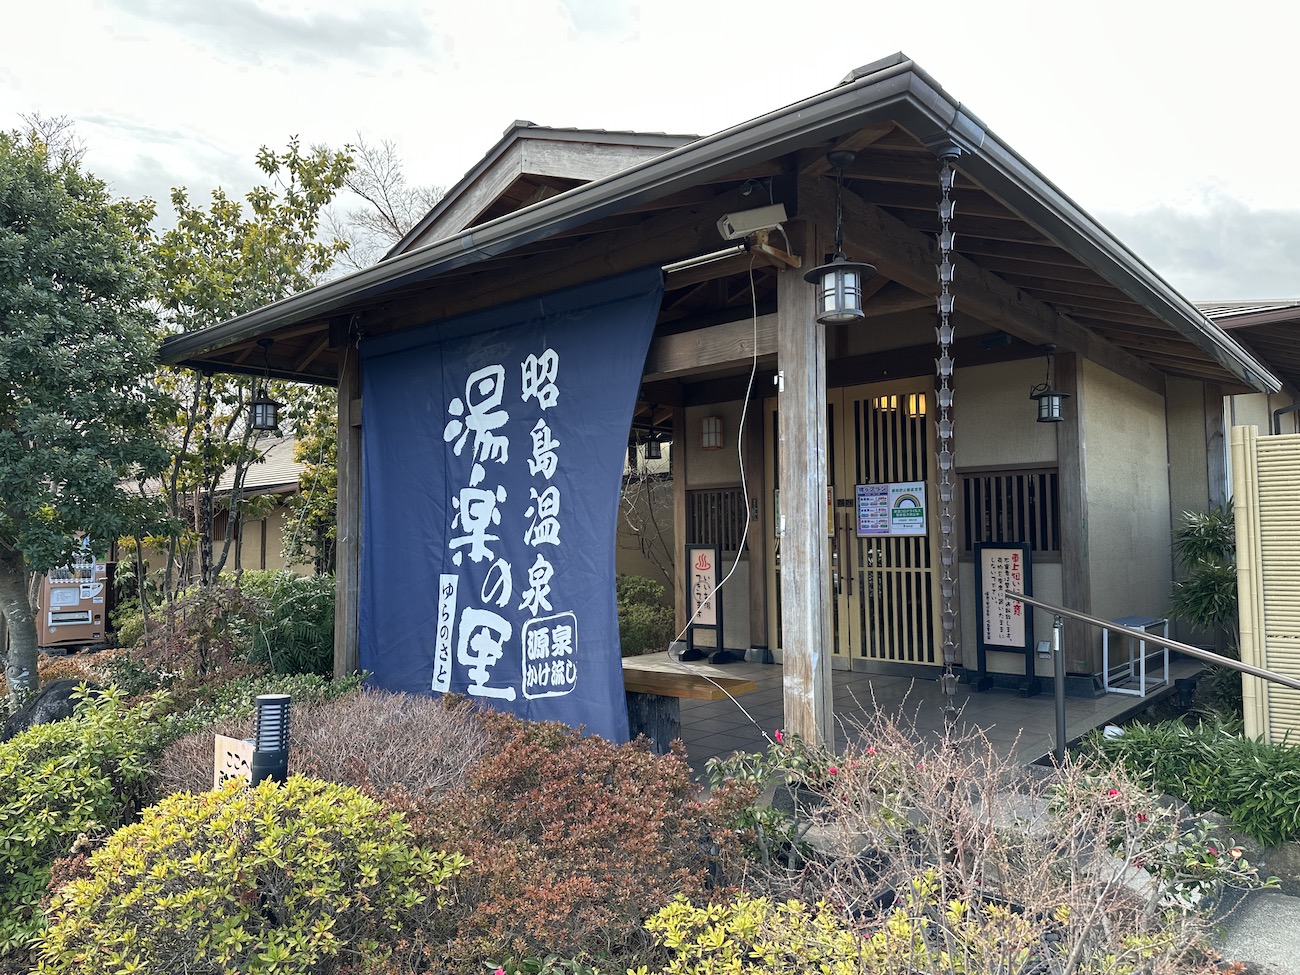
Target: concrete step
<point>1262,929</point>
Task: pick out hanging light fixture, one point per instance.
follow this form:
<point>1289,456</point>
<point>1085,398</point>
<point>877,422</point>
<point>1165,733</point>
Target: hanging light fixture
<point>839,281</point>
<point>711,433</point>
<point>264,411</point>
<point>652,449</point>
<point>1049,400</point>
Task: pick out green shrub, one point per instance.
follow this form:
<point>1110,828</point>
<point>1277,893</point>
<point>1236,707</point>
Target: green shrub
<point>296,878</point>
<point>758,936</point>
<point>1255,784</point>
<point>645,624</point>
<point>1205,549</point>
<point>292,631</point>
<point>82,775</point>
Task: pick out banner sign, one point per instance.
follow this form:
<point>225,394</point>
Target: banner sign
<point>493,452</point>
<point>890,509</point>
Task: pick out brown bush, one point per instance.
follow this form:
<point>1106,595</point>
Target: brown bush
<point>573,842</point>
<point>372,740</point>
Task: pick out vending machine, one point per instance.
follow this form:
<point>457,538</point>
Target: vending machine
<point>74,603</point>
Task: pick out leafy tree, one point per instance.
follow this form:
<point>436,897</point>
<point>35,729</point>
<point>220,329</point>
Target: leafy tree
<point>76,343</point>
<point>215,264</point>
<point>314,535</point>
<point>1205,548</point>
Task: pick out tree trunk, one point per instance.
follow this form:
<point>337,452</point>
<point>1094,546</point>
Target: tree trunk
<point>20,664</point>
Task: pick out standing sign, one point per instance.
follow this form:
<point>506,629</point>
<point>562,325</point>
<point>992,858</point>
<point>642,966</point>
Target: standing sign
<point>704,604</point>
<point>890,509</point>
<point>1004,624</point>
<point>493,449</point>
<point>232,759</point>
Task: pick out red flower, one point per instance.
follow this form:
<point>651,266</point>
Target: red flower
<point>778,737</point>
<point>833,770</point>
<point>1113,792</point>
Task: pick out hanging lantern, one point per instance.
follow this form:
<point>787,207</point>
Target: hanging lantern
<point>839,281</point>
<point>1050,401</point>
<point>264,412</point>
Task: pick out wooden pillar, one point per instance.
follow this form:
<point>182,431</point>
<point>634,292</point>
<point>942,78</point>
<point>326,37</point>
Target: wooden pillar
<point>759,531</point>
<point>806,609</point>
<point>347,577</point>
<point>1216,459</point>
<point>677,460</point>
<point>1072,468</point>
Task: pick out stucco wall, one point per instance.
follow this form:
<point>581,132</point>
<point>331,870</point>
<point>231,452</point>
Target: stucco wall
<point>996,426</point>
<point>994,418</point>
<point>1127,483</point>
<point>714,468</point>
<point>1189,488</point>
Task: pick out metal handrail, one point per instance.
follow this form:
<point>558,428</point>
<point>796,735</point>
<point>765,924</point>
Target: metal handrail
<point>1207,655</point>
<point>1058,658</point>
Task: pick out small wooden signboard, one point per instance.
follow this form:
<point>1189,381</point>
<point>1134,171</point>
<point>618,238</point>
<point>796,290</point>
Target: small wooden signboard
<point>1004,624</point>
<point>232,759</point>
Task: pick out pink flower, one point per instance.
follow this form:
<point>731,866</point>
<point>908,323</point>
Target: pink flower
<point>1142,817</point>
<point>778,737</point>
<point>499,971</point>
<point>1113,792</point>
<point>871,750</point>
<point>833,770</point>
<point>1212,850</point>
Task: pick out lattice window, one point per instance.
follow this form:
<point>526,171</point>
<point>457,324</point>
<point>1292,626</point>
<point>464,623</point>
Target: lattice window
<point>715,518</point>
<point>1012,506</point>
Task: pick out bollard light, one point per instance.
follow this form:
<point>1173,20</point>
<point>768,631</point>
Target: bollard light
<point>271,739</point>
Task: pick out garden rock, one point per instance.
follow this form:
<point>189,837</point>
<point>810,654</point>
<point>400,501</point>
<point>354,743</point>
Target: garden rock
<point>54,703</point>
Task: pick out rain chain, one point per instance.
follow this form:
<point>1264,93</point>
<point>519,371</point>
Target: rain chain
<point>944,368</point>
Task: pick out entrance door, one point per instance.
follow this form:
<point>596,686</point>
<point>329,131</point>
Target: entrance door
<point>887,590</point>
<point>886,587</point>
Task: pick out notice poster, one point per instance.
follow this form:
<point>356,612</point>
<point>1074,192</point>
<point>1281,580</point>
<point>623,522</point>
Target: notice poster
<point>890,509</point>
<point>1002,570</point>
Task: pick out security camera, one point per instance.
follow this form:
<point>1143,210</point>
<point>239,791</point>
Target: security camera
<point>735,226</point>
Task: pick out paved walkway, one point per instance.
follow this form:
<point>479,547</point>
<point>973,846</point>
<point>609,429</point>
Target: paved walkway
<point>1023,728</point>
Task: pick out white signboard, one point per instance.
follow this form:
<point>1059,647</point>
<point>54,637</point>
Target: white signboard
<point>1002,569</point>
<point>890,509</point>
<point>704,580</point>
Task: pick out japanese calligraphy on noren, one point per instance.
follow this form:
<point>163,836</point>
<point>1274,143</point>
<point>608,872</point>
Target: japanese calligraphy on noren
<point>483,510</point>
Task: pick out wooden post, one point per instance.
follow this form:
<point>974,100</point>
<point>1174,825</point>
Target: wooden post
<point>1215,444</point>
<point>677,460</point>
<point>806,608</point>
<point>759,531</point>
<point>347,578</point>
<point>1072,470</point>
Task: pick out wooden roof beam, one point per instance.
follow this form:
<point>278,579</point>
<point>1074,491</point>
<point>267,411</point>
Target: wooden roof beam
<point>909,257</point>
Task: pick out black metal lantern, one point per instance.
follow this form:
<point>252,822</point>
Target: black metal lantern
<point>264,412</point>
<point>1050,401</point>
<point>839,281</point>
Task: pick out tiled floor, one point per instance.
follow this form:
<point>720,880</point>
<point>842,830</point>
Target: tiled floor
<point>1023,728</point>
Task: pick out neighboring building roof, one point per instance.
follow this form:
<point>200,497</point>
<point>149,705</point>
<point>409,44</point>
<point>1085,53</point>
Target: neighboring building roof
<point>1050,267</point>
<point>276,473</point>
<point>1270,328</point>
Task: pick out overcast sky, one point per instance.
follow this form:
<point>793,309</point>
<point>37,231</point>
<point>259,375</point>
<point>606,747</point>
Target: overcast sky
<point>1171,121</point>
